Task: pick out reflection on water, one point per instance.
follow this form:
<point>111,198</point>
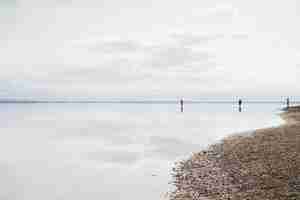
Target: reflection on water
<point>109,151</point>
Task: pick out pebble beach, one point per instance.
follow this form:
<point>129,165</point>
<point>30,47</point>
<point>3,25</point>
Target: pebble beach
<point>259,166</point>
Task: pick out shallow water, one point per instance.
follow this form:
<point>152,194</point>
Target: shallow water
<point>109,151</point>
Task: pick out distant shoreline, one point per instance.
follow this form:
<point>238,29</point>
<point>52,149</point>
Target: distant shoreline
<point>143,102</point>
<point>263,165</point>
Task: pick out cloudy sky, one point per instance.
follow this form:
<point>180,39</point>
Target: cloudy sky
<point>149,48</point>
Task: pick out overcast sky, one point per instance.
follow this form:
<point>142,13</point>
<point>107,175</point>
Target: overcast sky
<point>154,48</point>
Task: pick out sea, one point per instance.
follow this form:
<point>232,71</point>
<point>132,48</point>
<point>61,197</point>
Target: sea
<point>111,150</point>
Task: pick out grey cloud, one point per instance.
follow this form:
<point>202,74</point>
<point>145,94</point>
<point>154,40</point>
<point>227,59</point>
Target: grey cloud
<point>173,61</point>
<point>8,2</point>
<point>171,56</point>
<point>10,189</point>
<point>16,88</point>
<point>218,15</point>
<point>62,3</point>
<point>113,72</point>
<point>222,11</point>
<point>229,12</point>
<point>8,14</point>
<point>148,66</point>
<point>193,39</point>
<point>7,88</point>
<point>44,3</point>
<point>240,36</point>
<point>177,53</point>
<point>121,46</point>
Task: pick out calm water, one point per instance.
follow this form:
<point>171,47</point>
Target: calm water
<point>109,151</point>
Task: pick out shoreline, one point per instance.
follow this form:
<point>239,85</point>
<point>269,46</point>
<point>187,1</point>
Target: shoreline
<point>263,165</point>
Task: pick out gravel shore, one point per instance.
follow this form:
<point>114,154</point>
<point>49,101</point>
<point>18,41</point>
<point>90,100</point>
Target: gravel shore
<point>262,166</point>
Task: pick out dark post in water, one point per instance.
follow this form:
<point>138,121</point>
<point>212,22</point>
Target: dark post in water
<point>240,105</point>
<point>181,105</point>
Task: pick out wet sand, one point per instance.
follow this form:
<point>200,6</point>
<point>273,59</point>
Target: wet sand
<point>260,166</point>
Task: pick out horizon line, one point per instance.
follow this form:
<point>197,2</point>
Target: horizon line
<point>144,101</point>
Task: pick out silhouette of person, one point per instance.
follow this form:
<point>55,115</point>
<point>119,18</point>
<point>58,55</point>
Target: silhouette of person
<point>240,105</point>
<point>287,102</point>
<point>181,105</point>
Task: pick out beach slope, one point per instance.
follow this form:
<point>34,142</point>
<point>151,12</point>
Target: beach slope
<point>261,166</point>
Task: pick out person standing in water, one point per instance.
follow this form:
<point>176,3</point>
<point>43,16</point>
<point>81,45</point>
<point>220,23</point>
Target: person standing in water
<point>181,105</point>
<point>287,103</point>
<point>240,105</point>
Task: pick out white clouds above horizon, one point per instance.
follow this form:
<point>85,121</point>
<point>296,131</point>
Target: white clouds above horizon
<point>138,48</point>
